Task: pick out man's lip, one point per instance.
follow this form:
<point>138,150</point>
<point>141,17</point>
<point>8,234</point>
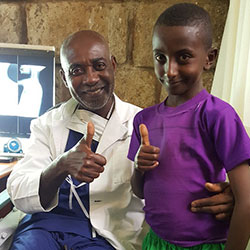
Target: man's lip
<point>93,91</point>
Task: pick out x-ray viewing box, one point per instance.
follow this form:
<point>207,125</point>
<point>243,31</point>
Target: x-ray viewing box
<point>26,86</point>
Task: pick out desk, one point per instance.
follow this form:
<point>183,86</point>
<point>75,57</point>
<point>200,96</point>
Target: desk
<point>9,216</point>
<point>5,203</point>
<point>6,168</point>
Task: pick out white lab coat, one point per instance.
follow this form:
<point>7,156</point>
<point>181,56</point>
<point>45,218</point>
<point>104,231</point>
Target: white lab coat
<point>115,213</point>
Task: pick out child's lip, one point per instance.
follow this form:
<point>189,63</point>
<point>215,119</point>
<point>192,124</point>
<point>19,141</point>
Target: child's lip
<point>174,82</point>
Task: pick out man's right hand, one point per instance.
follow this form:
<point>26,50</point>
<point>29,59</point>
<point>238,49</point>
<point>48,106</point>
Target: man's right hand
<point>147,156</point>
<point>80,162</point>
<point>221,204</point>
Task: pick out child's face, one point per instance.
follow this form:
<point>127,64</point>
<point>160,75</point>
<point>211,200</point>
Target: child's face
<point>180,57</point>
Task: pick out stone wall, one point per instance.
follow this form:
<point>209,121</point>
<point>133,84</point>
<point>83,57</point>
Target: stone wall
<point>127,26</point>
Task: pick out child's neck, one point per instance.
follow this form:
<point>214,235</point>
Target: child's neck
<point>176,100</point>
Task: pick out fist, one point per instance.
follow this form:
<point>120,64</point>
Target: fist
<point>147,155</point>
<point>80,162</point>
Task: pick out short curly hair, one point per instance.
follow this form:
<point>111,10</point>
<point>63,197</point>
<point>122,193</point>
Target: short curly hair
<point>188,14</point>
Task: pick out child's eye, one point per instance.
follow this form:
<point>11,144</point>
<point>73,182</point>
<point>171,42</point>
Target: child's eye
<point>160,58</point>
<point>99,66</point>
<point>184,58</point>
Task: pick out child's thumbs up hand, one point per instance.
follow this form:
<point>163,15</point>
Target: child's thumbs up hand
<point>81,162</point>
<point>144,135</point>
<point>147,155</point>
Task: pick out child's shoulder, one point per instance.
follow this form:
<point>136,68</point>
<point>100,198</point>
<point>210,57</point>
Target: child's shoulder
<point>146,115</point>
<point>148,111</point>
<point>215,104</point>
<point>216,110</point>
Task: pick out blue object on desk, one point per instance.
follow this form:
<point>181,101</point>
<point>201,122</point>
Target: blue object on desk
<point>13,146</point>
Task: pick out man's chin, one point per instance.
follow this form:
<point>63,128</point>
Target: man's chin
<point>92,106</point>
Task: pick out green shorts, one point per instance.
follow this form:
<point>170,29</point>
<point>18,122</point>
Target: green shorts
<point>154,242</point>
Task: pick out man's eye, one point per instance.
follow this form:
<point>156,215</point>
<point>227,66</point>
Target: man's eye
<point>160,58</point>
<point>100,66</point>
<point>76,71</point>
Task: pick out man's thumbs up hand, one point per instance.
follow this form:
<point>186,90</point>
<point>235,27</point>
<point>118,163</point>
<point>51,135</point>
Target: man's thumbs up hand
<point>80,162</point>
<point>147,155</point>
<point>86,142</point>
<point>90,133</point>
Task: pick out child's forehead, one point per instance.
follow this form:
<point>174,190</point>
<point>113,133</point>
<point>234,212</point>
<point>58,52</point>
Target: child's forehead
<point>177,37</point>
<point>196,28</point>
<point>172,28</point>
<point>182,31</point>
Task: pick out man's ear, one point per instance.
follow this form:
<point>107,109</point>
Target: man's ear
<point>114,62</point>
<point>62,74</point>
<point>211,57</point>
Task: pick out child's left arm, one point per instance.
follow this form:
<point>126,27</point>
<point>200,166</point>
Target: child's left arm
<point>146,159</point>
<point>239,230</point>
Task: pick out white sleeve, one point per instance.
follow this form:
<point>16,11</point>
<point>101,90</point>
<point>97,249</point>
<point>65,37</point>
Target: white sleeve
<point>23,183</point>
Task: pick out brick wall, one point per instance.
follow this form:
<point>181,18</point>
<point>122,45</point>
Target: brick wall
<point>127,26</point>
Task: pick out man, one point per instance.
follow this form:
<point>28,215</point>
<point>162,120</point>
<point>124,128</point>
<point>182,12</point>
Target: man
<point>75,177</point>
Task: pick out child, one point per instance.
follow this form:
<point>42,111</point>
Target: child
<point>196,138</point>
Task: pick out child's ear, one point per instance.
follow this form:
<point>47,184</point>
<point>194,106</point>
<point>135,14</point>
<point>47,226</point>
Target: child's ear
<point>211,57</point>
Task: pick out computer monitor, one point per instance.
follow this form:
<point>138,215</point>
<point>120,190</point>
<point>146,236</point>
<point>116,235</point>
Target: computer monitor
<point>26,86</point>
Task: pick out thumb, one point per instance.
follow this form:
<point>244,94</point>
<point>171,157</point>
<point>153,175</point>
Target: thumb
<point>144,135</point>
<point>90,133</point>
<point>216,187</point>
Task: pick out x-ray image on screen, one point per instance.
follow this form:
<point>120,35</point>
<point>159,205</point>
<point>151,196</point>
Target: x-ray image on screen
<point>26,86</point>
<point>23,97</point>
<point>8,89</point>
<point>30,91</point>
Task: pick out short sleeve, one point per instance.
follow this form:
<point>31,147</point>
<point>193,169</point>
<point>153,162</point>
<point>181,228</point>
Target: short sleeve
<point>135,139</point>
<point>231,140</point>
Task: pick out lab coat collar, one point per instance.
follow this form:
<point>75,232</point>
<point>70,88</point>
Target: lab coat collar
<point>115,129</point>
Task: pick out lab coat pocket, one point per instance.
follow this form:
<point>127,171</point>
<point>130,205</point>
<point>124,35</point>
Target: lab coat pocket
<point>122,166</point>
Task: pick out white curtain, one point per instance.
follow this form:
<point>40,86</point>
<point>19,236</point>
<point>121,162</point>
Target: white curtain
<point>232,75</point>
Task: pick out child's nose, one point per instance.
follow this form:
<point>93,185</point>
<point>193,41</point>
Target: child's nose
<point>171,69</point>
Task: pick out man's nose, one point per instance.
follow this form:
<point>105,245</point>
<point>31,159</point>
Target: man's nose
<point>92,76</point>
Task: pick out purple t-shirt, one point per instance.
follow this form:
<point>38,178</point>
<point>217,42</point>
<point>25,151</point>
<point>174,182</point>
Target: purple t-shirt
<point>198,141</point>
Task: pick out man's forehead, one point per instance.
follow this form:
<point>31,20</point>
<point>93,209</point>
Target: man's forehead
<point>86,51</point>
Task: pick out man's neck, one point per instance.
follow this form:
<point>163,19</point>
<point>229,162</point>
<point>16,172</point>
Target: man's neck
<point>106,111</point>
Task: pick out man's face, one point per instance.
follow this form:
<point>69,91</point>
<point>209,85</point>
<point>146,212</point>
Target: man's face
<point>89,72</point>
<point>179,58</point>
